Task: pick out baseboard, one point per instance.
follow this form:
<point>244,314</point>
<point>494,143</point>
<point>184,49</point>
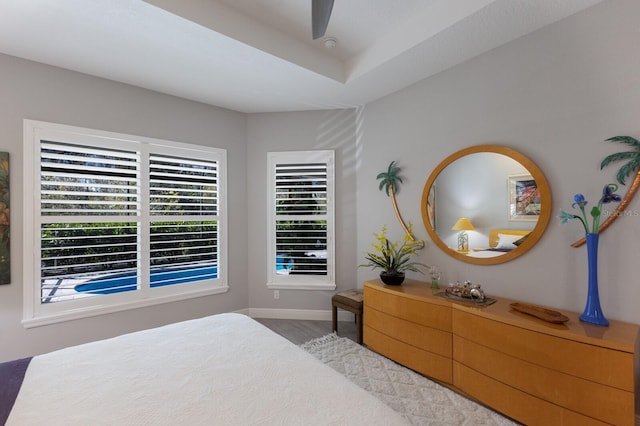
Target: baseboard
<point>297,314</point>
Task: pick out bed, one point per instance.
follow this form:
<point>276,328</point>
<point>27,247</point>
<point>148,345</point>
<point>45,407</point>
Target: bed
<point>501,241</point>
<point>224,369</point>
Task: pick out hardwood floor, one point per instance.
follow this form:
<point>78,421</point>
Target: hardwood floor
<point>301,331</point>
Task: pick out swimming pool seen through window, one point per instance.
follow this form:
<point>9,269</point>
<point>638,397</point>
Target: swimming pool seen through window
<point>119,221</point>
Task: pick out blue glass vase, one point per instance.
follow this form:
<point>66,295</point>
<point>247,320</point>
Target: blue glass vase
<point>592,311</point>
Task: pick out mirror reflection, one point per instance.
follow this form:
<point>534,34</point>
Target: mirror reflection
<point>486,204</point>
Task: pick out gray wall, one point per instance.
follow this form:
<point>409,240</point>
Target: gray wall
<point>39,92</point>
<point>554,95</point>
<point>334,130</point>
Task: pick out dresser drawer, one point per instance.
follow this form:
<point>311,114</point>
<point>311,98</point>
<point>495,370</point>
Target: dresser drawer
<point>423,337</point>
<point>605,366</point>
<point>535,372</point>
<point>424,362</point>
<point>513,402</point>
<point>417,311</point>
<point>592,399</point>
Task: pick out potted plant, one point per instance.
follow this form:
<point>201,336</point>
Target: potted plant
<point>394,258</point>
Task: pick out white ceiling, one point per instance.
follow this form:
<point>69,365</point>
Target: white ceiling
<point>258,55</point>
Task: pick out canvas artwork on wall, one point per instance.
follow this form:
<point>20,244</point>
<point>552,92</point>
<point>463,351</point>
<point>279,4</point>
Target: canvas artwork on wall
<point>5,254</point>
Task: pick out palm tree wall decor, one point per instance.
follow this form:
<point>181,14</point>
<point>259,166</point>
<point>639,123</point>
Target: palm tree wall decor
<point>390,182</point>
<point>632,166</point>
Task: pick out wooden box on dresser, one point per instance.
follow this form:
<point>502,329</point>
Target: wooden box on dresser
<point>533,371</point>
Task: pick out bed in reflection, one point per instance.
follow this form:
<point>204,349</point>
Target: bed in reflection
<point>501,241</point>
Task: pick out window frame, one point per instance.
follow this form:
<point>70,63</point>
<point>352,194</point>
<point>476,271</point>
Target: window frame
<point>301,281</point>
<point>36,313</point>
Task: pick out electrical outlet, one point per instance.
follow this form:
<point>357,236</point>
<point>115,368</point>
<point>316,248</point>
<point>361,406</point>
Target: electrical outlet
<point>276,294</point>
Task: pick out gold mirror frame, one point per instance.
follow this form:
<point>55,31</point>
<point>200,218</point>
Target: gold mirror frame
<point>536,233</point>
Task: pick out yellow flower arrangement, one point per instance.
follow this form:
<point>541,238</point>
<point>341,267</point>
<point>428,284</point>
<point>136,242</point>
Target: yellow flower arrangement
<point>393,257</point>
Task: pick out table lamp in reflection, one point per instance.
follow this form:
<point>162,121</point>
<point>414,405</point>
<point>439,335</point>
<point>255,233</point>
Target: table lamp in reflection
<point>463,225</point>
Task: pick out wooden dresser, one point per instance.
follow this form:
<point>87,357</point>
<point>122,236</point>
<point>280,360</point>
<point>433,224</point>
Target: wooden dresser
<point>531,370</point>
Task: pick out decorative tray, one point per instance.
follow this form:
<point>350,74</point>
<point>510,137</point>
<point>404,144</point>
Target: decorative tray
<point>478,302</point>
<point>465,291</point>
<point>540,312</point>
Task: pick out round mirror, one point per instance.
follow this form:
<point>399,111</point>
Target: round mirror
<point>486,204</point>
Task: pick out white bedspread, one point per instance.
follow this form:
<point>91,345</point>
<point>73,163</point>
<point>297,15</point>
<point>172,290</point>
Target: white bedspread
<point>221,370</point>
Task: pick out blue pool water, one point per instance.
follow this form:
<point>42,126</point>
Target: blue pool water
<point>283,263</point>
<point>118,283</point>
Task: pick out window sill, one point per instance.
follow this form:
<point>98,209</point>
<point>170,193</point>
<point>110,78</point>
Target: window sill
<point>74,314</point>
<point>301,286</point>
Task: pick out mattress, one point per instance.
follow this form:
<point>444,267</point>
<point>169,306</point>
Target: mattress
<point>224,369</point>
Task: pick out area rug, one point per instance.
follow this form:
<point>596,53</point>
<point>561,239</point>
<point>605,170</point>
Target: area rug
<point>418,399</point>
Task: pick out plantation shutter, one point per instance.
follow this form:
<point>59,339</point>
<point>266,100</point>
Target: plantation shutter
<point>116,222</point>
<point>92,218</point>
<point>302,221</point>
<point>301,210</point>
<point>184,221</point>
<point>90,208</point>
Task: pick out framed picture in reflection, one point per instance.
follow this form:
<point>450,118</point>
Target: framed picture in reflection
<point>524,198</point>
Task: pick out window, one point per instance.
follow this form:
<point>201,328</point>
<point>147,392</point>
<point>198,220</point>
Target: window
<point>117,222</point>
<point>301,225</point>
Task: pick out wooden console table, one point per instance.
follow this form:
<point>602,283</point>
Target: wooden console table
<point>532,371</point>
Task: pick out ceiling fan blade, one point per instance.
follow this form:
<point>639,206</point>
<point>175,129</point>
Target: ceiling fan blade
<point>320,14</point>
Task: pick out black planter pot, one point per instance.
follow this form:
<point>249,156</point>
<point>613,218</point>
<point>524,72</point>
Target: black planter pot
<point>392,278</point>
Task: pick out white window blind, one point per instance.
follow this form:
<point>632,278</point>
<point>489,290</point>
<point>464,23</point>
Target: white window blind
<point>301,223</point>
<point>119,221</point>
<point>87,197</point>
<point>183,250</point>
